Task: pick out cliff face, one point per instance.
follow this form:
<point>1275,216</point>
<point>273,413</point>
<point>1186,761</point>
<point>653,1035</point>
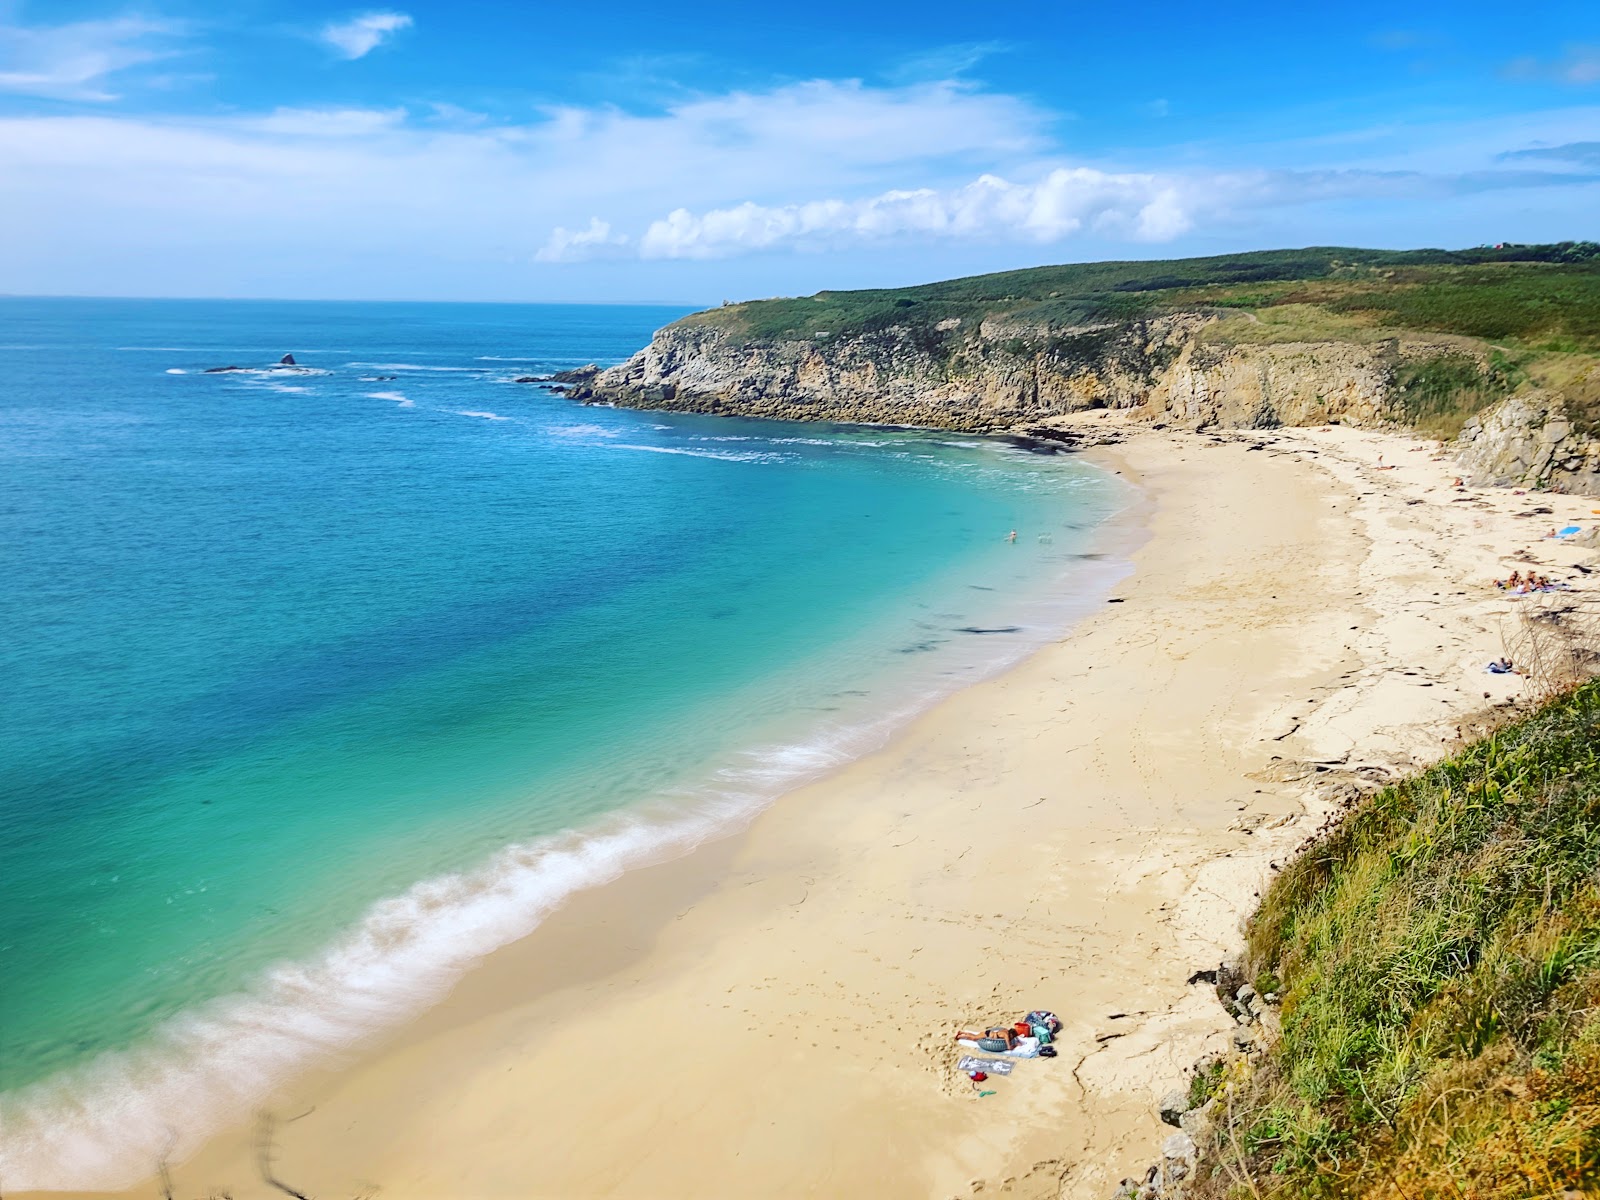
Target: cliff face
<point>1003,374</point>
<point>1531,439</point>
<point>988,378</point>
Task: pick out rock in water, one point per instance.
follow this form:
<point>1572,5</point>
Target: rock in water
<point>287,361</point>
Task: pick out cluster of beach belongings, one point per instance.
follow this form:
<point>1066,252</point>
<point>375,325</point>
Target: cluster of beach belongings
<point>1525,585</point>
<point>1027,1038</point>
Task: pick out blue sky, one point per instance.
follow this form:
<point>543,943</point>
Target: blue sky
<point>640,151</point>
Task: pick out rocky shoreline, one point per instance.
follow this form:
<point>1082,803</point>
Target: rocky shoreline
<point>1005,376</point>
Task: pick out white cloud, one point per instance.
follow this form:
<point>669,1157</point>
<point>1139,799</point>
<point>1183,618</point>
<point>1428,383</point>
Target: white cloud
<point>74,62</point>
<point>1066,201</point>
<point>567,245</point>
<point>325,122</point>
<point>1580,67</point>
<point>361,35</point>
<point>389,202</point>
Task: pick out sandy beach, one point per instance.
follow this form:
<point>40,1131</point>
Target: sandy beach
<point>772,1015</point>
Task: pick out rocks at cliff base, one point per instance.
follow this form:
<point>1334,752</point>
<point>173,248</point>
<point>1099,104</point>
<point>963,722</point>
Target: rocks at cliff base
<point>1173,1105</point>
<point>1010,375</point>
<point>1529,440</point>
<point>584,374</point>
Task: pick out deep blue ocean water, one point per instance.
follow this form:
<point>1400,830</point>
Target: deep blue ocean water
<point>318,685</point>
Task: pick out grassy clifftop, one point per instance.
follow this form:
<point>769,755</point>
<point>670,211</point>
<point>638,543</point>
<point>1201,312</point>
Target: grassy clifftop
<point>1547,297</point>
<point>1438,958</point>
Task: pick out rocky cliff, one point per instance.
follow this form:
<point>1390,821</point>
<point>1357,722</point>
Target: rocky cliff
<point>999,373</point>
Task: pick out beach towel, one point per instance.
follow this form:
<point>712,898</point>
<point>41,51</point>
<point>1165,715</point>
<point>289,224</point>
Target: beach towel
<point>994,1066</point>
<point>1027,1047</point>
<point>1569,531</point>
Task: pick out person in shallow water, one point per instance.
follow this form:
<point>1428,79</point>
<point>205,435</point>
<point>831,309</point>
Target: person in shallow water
<point>1012,536</point>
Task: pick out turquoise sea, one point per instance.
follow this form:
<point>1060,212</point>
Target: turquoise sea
<point>319,685</point>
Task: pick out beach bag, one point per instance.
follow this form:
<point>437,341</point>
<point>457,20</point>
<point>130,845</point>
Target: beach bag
<point>1048,1019</point>
<point>1042,1032</point>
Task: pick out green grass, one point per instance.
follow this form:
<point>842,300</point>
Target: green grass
<point>1438,955</point>
<point>1549,295</point>
<point>1437,395</point>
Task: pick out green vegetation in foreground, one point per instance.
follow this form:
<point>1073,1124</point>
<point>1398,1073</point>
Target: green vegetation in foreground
<point>1438,957</point>
<point>1547,297</point>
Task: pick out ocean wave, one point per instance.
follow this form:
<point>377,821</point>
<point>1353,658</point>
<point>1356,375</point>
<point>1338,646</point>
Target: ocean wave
<point>176,371</point>
<point>398,397</point>
<point>487,416</point>
<point>261,371</point>
<point>582,431</point>
<point>753,456</point>
<point>225,350</point>
<point>102,1125</point>
<point>770,441</point>
<point>391,366</point>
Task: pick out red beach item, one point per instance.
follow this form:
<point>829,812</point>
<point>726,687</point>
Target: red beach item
<point>978,1076</point>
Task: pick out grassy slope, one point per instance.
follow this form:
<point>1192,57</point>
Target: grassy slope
<point>1439,961</point>
<point>1534,292</point>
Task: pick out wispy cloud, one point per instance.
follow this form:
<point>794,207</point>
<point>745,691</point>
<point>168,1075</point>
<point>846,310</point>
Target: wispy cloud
<point>943,62</point>
<point>1579,66</point>
<point>568,245</point>
<point>325,122</point>
<point>1582,155</point>
<point>76,61</point>
<point>363,34</point>
<point>301,199</point>
<point>1399,39</point>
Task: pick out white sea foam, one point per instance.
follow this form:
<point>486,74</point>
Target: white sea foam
<point>582,431</point>
<point>176,371</point>
<point>377,366</point>
<point>751,456</point>
<point>102,1125</point>
<point>487,416</point>
<point>398,397</point>
<point>260,372</point>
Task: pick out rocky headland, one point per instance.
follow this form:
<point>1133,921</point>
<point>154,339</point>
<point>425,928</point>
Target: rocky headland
<point>1341,337</point>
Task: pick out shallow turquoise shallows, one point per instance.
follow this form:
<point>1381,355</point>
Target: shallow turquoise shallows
<point>320,684</point>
